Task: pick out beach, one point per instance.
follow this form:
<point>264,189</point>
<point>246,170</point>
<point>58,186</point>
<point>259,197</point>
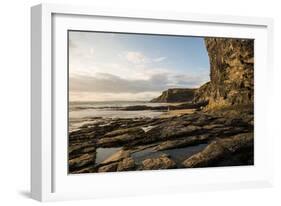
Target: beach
<point>129,136</point>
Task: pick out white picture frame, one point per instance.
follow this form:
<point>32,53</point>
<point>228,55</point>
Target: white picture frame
<point>49,181</point>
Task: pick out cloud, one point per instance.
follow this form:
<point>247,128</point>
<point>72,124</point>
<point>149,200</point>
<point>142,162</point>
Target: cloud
<point>94,96</point>
<point>139,58</point>
<point>159,59</point>
<point>110,87</point>
<point>135,57</point>
<point>103,82</point>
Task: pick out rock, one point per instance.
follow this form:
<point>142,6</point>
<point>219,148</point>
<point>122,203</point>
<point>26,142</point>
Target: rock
<point>224,150</point>
<point>232,73</point>
<point>120,140</point>
<point>123,137</point>
<point>91,132</point>
<point>143,107</point>
<point>89,169</point>
<point>175,95</point>
<point>188,141</point>
<point>172,128</point>
<point>81,161</point>
<point>178,129</point>
<point>79,149</point>
<point>186,105</point>
<point>213,126</point>
<point>108,168</point>
<point>123,131</point>
<point>126,164</point>
<point>162,162</point>
<point>119,155</point>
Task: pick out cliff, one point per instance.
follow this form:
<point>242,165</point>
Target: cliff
<point>231,72</point>
<point>175,95</point>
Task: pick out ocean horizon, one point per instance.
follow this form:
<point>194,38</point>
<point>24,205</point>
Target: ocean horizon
<point>86,111</point>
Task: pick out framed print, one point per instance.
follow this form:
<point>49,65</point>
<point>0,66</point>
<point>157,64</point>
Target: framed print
<point>136,102</point>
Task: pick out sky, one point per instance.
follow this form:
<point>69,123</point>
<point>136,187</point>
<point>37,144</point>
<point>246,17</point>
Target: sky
<point>133,67</point>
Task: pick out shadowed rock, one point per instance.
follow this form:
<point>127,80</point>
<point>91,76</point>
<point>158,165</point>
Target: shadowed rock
<point>81,161</point>
<point>122,137</point>
<point>80,149</point>
<point>176,130</point>
<point>108,168</point>
<point>176,95</point>
<point>222,150</point>
<point>232,72</point>
<point>188,141</point>
<point>89,169</point>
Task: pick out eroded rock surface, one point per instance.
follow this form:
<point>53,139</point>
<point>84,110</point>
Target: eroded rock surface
<point>235,150</point>
<point>215,127</point>
<point>184,142</point>
<point>126,164</point>
<point>162,162</point>
<point>121,137</point>
<point>232,72</point>
<point>176,95</point>
<point>81,161</point>
<point>109,168</point>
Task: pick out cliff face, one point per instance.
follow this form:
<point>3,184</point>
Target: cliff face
<point>232,72</point>
<point>175,95</point>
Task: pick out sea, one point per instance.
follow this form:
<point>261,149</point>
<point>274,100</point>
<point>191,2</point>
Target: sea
<point>88,112</point>
<point>81,113</point>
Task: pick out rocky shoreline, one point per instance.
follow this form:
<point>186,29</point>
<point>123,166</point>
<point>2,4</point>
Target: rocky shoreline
<point>182,105</point>
<point>222,137</point>
<point>218,132</point>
